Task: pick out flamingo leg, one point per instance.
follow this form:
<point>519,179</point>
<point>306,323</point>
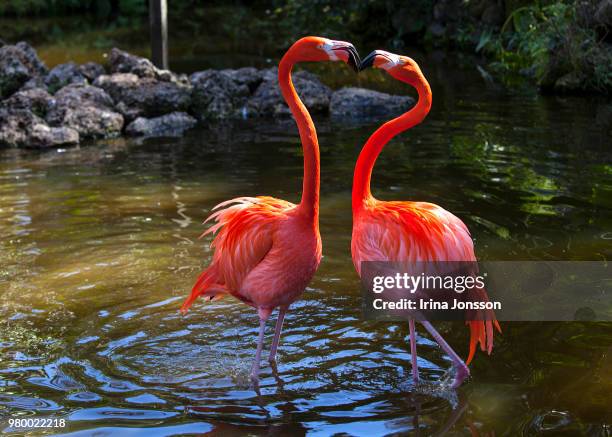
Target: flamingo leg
<point>256,363</point>
<point>413,352</point>
<point>461,370</point>
<point>277,333</point>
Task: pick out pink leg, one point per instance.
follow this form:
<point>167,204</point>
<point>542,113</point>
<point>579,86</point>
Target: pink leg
<point>413,352</point>
<point>461,370</point>
<point>263,316</point>
<point>255,368</point>
<point>277,333</point>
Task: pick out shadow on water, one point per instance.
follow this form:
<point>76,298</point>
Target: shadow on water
<point>98,246</point>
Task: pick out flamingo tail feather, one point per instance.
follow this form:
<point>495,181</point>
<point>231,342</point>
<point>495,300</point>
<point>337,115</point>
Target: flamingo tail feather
<point>206,287</point>
<point>481,332</point>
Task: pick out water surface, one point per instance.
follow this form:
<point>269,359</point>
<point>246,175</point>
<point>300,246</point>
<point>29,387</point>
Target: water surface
<point>98,248</point>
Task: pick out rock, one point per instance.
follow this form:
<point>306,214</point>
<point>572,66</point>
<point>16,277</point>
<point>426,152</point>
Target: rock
<point>43,136</point>
<point>35,100</point>
<point>267,99</point>
<point>124,62</point>
<point>34,62</point>
<point>87,109</point>
<point>359,103</point>
<point>249,76</point>
<point>22,128</point>
<point>35,82</point>
<point>218,94</point>
<point>173,124</point>
<point>18,64</point>
<point>91,70</point>
<point>62,75</point>
<point>144,97</point>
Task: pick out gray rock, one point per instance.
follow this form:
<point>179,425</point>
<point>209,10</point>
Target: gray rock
<point>62,75</point>
<point>35,100</point>
<point>218,94</point>
<point>30,55</point>
<point>249,76</point>
<point>267,99</point>
<point>359,103</point>
<point>43,136</point>
<point>91,70</point>
<point>35,82</point>
<point>21,128</point>
<point>124,62</point>
<point>144,97</point>
<point>87,109</point>
<point>18,64</point>
<point>173,124</point>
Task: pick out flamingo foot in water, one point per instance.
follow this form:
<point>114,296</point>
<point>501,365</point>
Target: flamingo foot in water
<point>461,370</point>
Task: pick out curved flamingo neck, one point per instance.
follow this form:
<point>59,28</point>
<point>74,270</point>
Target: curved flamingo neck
<point>309,205</point>
<point>384,134</point>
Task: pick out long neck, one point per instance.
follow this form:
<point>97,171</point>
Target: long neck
<point>378,140</point>
<point>309,205</point>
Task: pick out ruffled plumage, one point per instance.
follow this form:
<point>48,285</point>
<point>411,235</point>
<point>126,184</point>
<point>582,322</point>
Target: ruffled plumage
<point>244,229</point>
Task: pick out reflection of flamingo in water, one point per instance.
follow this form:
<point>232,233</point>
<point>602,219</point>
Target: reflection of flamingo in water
<point>410,231</point>
<point>267,249</point>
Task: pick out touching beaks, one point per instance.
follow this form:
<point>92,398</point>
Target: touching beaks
<point>347,49</point>
<point>380,59</point>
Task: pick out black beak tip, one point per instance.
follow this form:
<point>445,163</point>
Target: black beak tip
<point>354,64</point>
<point>353,58</point>
<point>368,61</point>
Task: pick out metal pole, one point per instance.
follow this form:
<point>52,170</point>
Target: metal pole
<point>158,20</point>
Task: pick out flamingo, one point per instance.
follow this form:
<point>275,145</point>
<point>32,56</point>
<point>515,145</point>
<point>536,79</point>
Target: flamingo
<point>410,231</point>
<point>267,250</point>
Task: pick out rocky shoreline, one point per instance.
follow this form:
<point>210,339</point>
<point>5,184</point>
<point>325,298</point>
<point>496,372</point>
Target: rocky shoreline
<point>42,108</point>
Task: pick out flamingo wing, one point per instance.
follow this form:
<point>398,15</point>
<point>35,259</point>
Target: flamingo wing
<point>244,230</point>
<point>419,231</point>
<point>409,231</point>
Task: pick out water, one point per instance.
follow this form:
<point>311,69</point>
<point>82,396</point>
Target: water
<point>98,248</point>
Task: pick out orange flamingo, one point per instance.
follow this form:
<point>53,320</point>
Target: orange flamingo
<point>267,250</point>
<point>410,231</point>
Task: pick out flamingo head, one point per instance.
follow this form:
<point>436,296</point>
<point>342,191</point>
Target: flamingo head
<point>401,67</point>
<point>317,49</point>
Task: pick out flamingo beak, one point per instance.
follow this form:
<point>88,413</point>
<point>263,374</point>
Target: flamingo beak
<point>383,58</point>
<point>368,61</point>
<point>353,59</point>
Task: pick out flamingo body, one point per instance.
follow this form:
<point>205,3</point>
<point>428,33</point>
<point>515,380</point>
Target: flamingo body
<point>417,232</point>
<point>265,253</point>
<point>408,231</point>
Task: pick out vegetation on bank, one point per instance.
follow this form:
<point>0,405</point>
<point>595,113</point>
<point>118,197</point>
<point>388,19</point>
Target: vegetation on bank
<point>563,45</point>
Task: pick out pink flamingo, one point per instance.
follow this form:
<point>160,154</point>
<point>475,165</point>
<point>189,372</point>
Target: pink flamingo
<point>410,231</point>
<point>267,250</point>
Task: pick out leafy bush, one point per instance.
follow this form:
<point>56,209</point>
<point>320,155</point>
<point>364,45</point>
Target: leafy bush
<point>559,44</point>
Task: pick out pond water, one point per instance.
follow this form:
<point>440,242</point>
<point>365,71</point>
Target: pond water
<point>98,248</point>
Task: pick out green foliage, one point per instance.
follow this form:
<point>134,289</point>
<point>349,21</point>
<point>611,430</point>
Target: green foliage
<point>557,44</point>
